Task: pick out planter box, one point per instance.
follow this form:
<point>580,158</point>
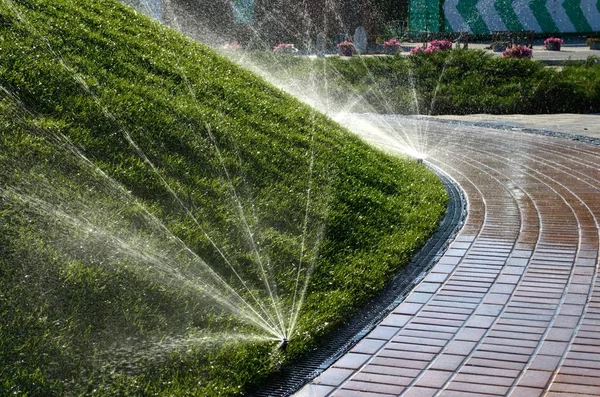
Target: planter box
<point>553,46</point>
<point>595,45</point>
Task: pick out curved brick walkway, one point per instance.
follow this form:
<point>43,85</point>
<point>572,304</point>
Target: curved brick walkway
<point>513,307</point>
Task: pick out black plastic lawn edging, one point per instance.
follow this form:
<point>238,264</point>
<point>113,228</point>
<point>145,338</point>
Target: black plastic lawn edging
<point>313,363</point>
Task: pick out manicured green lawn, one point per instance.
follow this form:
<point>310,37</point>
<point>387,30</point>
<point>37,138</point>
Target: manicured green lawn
<point>141,174</point>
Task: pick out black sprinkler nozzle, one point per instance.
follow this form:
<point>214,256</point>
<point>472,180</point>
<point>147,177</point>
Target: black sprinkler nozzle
<point>283,344</point>
<point>419,161</point>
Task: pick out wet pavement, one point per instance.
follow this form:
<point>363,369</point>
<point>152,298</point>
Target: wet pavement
<point>513,306</point>
<point>565,123</point>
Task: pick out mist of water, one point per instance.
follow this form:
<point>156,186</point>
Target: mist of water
<point>111,228</point>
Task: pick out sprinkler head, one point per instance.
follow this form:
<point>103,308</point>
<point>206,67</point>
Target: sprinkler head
<point>283,344</point>
<point>419,161</point>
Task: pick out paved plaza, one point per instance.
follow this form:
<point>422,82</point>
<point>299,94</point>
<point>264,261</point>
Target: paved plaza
<point>513,306</point>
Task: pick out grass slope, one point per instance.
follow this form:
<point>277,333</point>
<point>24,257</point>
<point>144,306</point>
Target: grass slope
<point>444,82</point>
<point>96,297</point>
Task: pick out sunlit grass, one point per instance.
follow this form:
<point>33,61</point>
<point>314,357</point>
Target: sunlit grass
<point>128,152</point>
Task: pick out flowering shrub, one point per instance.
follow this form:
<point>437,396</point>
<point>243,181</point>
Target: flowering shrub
<point>416,50</point>
<point>553,43</point>
<point>553,40</point>
<point>433,46</point>
<point>518,51</point>
<point>440,45</point>
<point>392,45</point>
<point>346,47</point>
<point>285,48</point>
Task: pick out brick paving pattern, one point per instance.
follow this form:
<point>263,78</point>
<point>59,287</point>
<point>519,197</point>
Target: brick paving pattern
<point>513,307</point>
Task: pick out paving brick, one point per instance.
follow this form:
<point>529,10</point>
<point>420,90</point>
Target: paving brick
<point>406,355</point>
<point>484,379</point>
<point>566,321</point>
<point>352,361</point>
<point>418,297</point>
<point>383,332</point>
<point>462,348</point>
<point>358,393</point>
<point>505,348</point>
<point>390,370</point>
<point>580,371</point>
<point>575,389</point>
<point>553,348</point>
<point>480,322</point>
<point>534,378</point>
<point>371,387</point>
<point>447,362</point>
<point>516,282</point>
<point>522,391</point>
<point>511,342</point>
<point>315,391</point>
<point>471,334</point>
<point>382,379</point>
<point>396,320</point>
<point>436,277</point>
<point>419,341</point>
<point>428,334</point>
<point>428,287</point>
<point>487,309</point>
<point>368,346</point>
<point>478,388</point>
<point>399,363</point>
<point>491,362</point>
<point>411,347</point>
<point>545,362</point>
<point>560,334</point>
<point>489,370</point>
<point>418,391</point>
<point>333,377</point>
<point>433,379</point>
<point>577,379</point>
<point>408,308</point>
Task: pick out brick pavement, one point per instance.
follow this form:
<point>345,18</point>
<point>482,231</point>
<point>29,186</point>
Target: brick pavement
<point>513,307</point>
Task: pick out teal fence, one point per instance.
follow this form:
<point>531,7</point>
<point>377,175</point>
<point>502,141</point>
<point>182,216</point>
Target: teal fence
<point>482,17</point>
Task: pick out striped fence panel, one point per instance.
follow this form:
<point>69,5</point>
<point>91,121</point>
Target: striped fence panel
<point>486,16</point>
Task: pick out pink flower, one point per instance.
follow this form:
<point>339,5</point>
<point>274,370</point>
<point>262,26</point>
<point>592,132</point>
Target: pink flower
<point>440,44</point>
<point>416,50</point>
<point>345,44</point>
<point>392,44</point>
<point>553,40</point>
<point>433,46</point>
<point>518,51</point>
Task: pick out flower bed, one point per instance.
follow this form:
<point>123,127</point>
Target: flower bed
<point>433,46</point>
<point>346,48</point>
<point>518,51</point>
<point>392,46</point>
<point>553,43</point>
